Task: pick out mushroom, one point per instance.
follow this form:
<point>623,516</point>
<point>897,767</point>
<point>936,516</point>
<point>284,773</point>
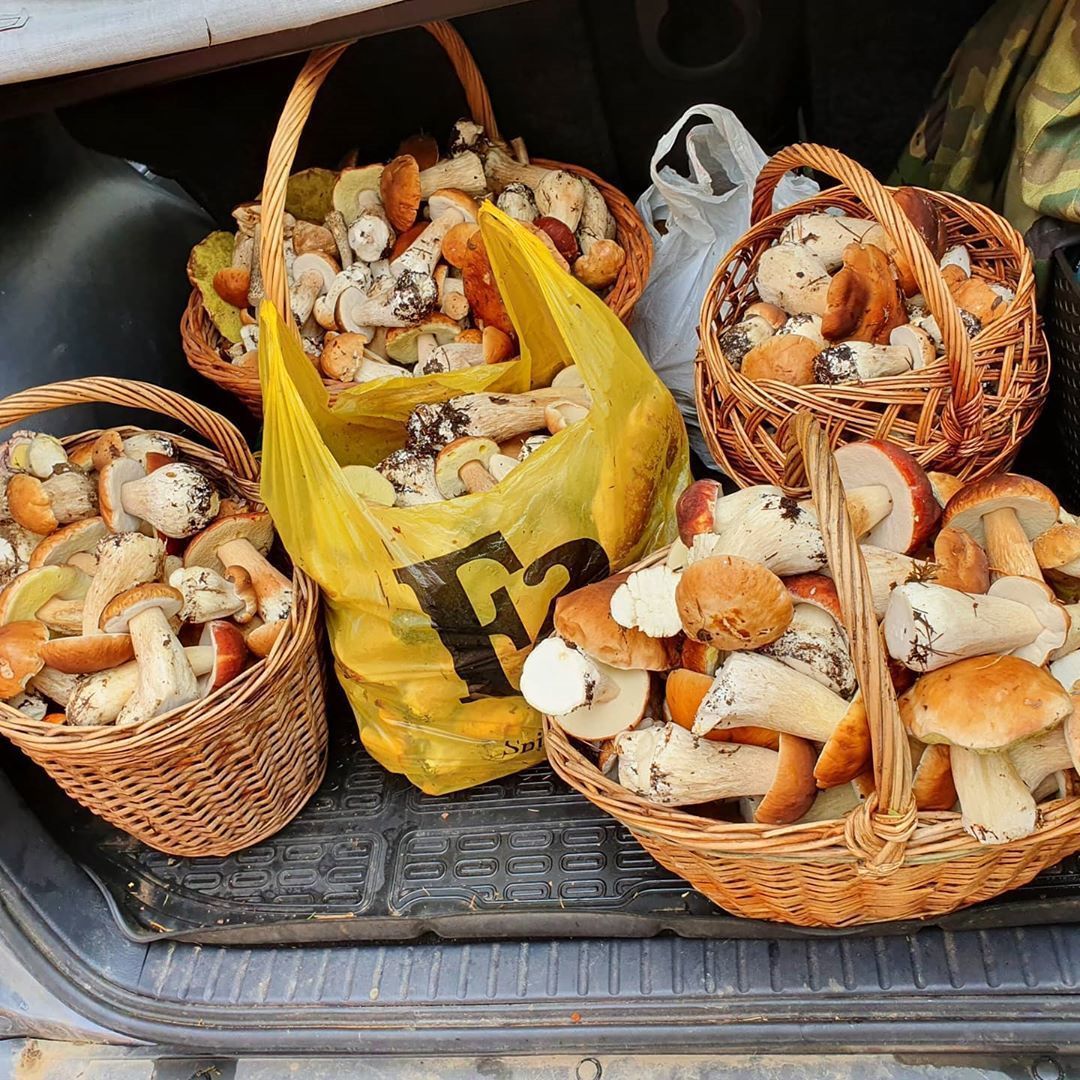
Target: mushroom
<point>358,275</point>
<point>1058,553</point>
<point>390,302</point>
<point>917,342</point>
<point>645,601</point>
<point>496,416</point>
<point>166,680</point>
<point>462,172</point>
<point>145,445</point>
<point>220,656</point>
<point>672,767</point>
<point>559,415</point>
<point>826,235</point>
<point>202,549</point>
<point>369,484</point>
<point>100,696</point>
<point>20,655</point>
<point>1003,513</point>
<point>767,527</point>
<point>370,235</point>
<point>863,301</point>
<point>461,467</point>
<point>560,235</point>
<point>981,707</point>
<point>793,278</point>
<point>124,560</point>
<point>911,511</point>
<point>814,641</point>
<point>583,618</point>
<point>273,589</point>
<point>500,466</point>
<point>177,500</point>
<point>412,475</point>
<point>422,255</point>
<point>731,603</point>
<point>848,751</point>
<point>309,236</point>
<point>27,593</point>
<point>453,302</point>
<point>923,213</point>
<point>928,626</point>
<point>313,276</point>
<point>516,200</point>
<point>45,456</point>
<point>75,538</point>
<point>1037,757</point>
<point>685,690</point>
<point>945,486</point>
<point>42,506</point>
<point>961,563</point>
<point>206,594</point>
<point>56,685</point>
<point>958,256</point>
<point>453,357</point>
<point>804,325</point>
<point>84,654</point>
<point>335,224</point>
<point>859,361</point>
<point>586,698</point>
<point>501,170</point>
<point>344,357</point>
<point>531,445</point>
<point>932,782</point>
<point>694,509</point>
<point>785,358</point>
<point>793,790</point>
<point>409,344</point>
<point>752,689</point>
<point>759,322</point>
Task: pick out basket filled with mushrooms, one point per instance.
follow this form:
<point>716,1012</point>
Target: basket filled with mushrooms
<point>387,273</point>
<point>849,709</point>
<point>159,656</point>
<point>890,313</point>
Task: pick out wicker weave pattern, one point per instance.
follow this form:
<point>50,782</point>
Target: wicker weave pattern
<point>966,416</point>
<point>228,770</point>
<point>883,861</point>
<point>203,345</point>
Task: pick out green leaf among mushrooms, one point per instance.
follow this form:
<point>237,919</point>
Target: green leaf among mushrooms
<point>206,259</point>
<point>308,195</point>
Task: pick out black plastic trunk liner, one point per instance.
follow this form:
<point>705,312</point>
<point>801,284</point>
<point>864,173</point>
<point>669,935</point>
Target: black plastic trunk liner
<point>370,859</point>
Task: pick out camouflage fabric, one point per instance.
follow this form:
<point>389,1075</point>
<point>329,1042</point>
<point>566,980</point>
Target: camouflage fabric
<point>1004,127</point>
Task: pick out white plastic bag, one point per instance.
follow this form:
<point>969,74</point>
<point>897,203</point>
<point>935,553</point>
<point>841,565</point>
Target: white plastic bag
<point>703,215</point>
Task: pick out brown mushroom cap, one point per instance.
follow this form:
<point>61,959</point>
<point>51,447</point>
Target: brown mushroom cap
<point>257,528</point>
<point>818,590</point>
<point>962,562</point>
<point>984,703</point>
<point>684,692</point>
<point>230,653</point>
<point>1035,505</point>
<point>583,618</point>
<point>399,187</point>
<point>261,639</point>
<point>848,752</point>
<point>20,655</point>
<point>120,610</point>
<point>455,245</point>
<point>793,789</point>
<point>786,358</point>
<point>79,536</point>
<point>1055,548</point>
<point>111,480</point>
<point>695,508</point>
<point>932,783</point>
<point>85,654</point>
<point>30,505</point>
<point>732,603</point>
<point>864,301</point>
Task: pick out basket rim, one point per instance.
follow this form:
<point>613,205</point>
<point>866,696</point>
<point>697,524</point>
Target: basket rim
<point>103,740</point>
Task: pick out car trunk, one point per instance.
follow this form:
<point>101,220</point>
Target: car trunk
<point>513,917</point>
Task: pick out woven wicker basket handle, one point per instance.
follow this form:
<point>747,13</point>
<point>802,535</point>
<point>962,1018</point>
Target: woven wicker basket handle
<point>290,126</point>
<point>963,415</point>
<point>135,395</point>
<point>880,829</point>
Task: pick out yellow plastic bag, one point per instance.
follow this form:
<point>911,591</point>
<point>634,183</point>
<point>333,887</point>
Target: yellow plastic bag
<point>431,609</point>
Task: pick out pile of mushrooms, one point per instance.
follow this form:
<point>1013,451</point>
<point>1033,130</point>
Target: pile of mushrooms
<point>470,443</point>
<point>130,585</point>
<point>838,303</point>
<point>395,281</point>
<point>720,675</point>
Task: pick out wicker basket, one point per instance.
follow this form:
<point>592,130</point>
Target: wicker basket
<point>228,770</point>
<point>966,415</point>
<point>204,346</point>
<point>883,861</point>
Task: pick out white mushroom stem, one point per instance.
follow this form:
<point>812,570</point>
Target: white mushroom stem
<point>452,299</point>
<point>928,626</point>
<point>670,766</point>
<point>335,222</point>
<point>463,172</point>
<point>124,561</point>
<point>558,678</point>
<point>501,169</point>
<point>423,253</point>
<point>860,361</point>
<point>413,477</point>
<point>888,569</point>
<point>755,690</point>
<point>996,805</point>
<point>1036,758</point>
<point>867,506</point>
<point>370,235</point>
<point>166,680</point>
<point>1008,549</point>
<point>304,293</point>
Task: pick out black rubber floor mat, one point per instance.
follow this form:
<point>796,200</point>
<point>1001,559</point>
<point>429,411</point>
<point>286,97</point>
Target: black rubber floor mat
<point>370,858</point>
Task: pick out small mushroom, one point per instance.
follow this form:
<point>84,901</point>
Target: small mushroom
<point>932,782</point>
<point>313,275</point>
<point>455,356</point>
<point>206,594</point>
<point>28,593</point>
<point>917,342</point>
<point>803,325</point>
<point>391,302</point>
<point>1004,512</point>
<point>84,654</point>
<point>461,172</point>
<point>501,170</point>
<point>272,588</point>
<point>422,255</point>
<point>600,265</point>
<point>559,415</point>
<point>75,538</point>
<point>561,195</point>
<point>685,690</point>
<point>961,563</point>
<point>42,506</point>
<point>409,344</point>
<point>143,444</point>
<point>759,322</point>
<point>166,679</point>
<point>1036,758</point>
<point>587,699</point>
<point>461,466</point>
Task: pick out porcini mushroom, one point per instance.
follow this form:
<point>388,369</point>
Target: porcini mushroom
<point>400,301</point>
<point>786,358</point>
<point>793,278</point>
<point>422,255</point>
<point>559,415</point>
<point>752,689</point>
<point>73,539</point>
<point>206,594</point>
<point>793,789</point>
<point>202,549</point>
<point>177,500</point>
<point>961,563</point>
<point>221,654</point>
<point>859,361</point>
<point>981,707</point>
<point>1037,757</point>
<point>166,680</point>
<point>645,601</point>
<point>673,767</point>
<point>516,200</point>
<point>586,698</point>
<point>1004,512</point>
<point>1058,552</point>
<point>313,275</point>
<point>43,505</point>
<point>84,654</point>
<point>561,195</point>
<point>20,655</point>
<point>912,512</point>
<point>413,476</point>
<point>272,588</point>
<point>759,322</point>
<point>124,560</point>
<point>732,603</point>
<point>409,344</point>
<point>461,466</point>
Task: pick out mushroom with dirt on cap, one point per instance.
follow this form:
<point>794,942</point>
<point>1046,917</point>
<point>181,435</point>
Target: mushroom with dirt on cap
<point>981,707</point>
<point>586,698</point>
<point>177,500</point>
<point>859,361</point>
<point>1004,512</point>
<point>758,323</point>
<point>206,594</point>
<point>166,680</point>
<point>412,475</point>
